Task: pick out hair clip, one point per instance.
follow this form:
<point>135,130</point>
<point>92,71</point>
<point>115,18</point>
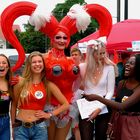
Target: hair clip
<point>93,46</point>
<point>92,42</point>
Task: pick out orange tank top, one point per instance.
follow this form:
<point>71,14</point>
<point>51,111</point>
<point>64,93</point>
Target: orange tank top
<point>37,97</point>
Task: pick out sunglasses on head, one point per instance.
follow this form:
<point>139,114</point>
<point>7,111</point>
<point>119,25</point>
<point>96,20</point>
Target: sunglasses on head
<point>60,37</point>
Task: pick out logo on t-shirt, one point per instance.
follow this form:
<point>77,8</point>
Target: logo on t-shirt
<point>39,94</point>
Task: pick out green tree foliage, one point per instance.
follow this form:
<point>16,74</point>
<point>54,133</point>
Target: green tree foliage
<point>17,33</point>
<point>61,10</point>
<point>33,40</point>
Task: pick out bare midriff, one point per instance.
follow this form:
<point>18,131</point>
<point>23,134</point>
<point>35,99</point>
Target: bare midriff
<point>26,115</point>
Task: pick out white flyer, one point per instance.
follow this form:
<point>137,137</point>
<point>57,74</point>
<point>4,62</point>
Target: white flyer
<point>87,107</point>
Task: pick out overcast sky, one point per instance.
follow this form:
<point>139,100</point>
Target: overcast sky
<point>111,5</point>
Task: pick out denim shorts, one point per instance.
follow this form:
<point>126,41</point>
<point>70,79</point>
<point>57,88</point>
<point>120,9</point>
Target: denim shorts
<point>60,120</point>
<point>36,132</point>
<point>5,127</point>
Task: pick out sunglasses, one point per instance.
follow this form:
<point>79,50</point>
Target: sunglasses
<point>60,37</point>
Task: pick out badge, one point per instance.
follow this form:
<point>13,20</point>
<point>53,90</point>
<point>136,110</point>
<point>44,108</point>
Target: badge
<point>24,94</point>
<point>39,94</point>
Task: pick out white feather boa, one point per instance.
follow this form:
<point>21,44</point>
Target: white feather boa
<point>79,13</point>
<point>42,13</point>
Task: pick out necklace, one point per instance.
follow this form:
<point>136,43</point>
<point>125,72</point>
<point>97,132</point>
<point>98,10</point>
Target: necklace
<point>97,74</point>
<point>57,53</point>
<point>36,84</point>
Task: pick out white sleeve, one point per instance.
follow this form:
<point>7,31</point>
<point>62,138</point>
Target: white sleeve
<point>110,84</point>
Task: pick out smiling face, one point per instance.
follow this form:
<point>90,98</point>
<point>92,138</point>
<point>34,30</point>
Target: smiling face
<point>4,66</point>
<point>99,53</point>
<point>102,54</point>
<point>60,41</point>
<point>129,66</point>
<point>37,64</point>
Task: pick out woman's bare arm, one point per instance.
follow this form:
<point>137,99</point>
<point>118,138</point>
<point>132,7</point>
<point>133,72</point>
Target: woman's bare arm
<point>133,99</point>
<point>54,90</point>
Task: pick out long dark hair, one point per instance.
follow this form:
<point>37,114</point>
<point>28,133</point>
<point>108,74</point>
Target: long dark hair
<point>9,74</point>
<point>137,67</point>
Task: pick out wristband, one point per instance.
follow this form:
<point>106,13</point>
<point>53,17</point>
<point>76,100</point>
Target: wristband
<point>51,114</point>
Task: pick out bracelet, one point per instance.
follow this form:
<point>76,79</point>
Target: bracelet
<point>51,114</point>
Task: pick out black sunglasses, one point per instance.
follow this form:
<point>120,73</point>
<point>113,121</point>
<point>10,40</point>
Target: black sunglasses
<point>60,37</point>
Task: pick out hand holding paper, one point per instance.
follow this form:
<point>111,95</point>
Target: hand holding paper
<point>86,108</point>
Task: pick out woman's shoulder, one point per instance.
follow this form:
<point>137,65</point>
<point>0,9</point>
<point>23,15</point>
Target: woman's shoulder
<point>50,84</point>
<point>20,82</point>
<point>122,83</point>
<point>109,67</point>
<point>82,65</point>
<point>21,79</point>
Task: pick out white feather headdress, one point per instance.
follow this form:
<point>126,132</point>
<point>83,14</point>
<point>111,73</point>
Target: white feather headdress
<point>42,13</point>
<point>79,13</point>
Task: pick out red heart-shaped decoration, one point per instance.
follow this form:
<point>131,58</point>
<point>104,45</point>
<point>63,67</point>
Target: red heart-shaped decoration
<point>15,10</point>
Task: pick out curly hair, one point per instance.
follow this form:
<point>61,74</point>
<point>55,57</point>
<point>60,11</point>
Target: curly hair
<point>137,67</point>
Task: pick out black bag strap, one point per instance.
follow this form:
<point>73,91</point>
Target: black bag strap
<point>136,86</point>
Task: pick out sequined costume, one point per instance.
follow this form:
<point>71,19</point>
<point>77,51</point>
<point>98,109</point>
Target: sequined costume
<point>62,71</point>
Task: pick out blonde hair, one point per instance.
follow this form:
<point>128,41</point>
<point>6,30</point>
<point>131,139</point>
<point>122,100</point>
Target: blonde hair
<point>107,60</point>
<point>91,63</point>
<point>75,50</point>
<point>27,76</point>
